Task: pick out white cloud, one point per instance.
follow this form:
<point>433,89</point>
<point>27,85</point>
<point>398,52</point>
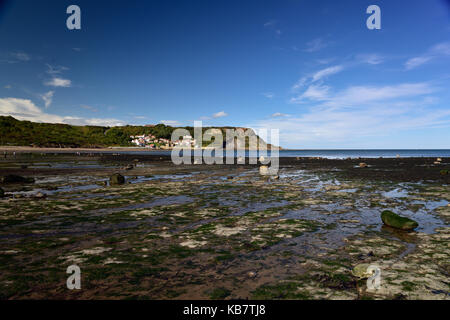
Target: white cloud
<point>270,23</point>
<point>89,108</point>
<point>279,114</point>
<point>8,86</point>
<point>220,114</point>
<point>441,49</point>
<point>370,58</point>
<point>438,50</point>
<point>316,45</point>
<point>21,56</point>
<point>24,109</point>
<point>355,95</point>
<point>353,116</point>
<point>314,92</point>
<point>55,69</point>
<point>325,61</point>
<point>172,123</point>
<point>318,75</point>
<point>326,72</point>
<point>268,95</point>
<point>59,82</point>
<point>48,98</point>
<point>417,61</point>
<point>300,83</point>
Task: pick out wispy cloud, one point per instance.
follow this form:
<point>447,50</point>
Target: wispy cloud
<point>439,50</point>
<point>55,69</point>
<point>356,95</point>
<point>90,108</point>
<point>326,72</point>
<point>268,95</point>
<point>273,26</point>
<point>270,23</point>
<point>417,61</point>
<point>313,92</point>
<point>325,61</point>
<point>8,86</point>
<point>316,76</point>
<point>59,82</point>
<point>15,57</point>
<point>24,109</point>
<point>279,115</point>
<point>220,114</point>
<point>316,45</point>
<point>48,98</point>
<point>172,123</point>
<point>21,56</point>
<point>371,58</point>
<point>350,116</point>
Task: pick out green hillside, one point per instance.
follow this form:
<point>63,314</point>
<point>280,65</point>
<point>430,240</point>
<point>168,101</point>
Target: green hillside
<point>26,133</point>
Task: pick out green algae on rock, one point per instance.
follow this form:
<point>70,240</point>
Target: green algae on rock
<point>394,220</point>
<point>116,179</point>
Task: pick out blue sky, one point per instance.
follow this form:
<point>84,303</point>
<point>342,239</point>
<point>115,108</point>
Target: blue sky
<point>312,69</point>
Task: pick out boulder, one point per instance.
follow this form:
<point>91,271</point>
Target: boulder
<point>360,271</point>
<point>128,167</point>
<point>116,179</point>
<point>2,193</point>
<point>12,178</point>
<point>363,165</point>
<point>40,195</point>
<point>394,220</point>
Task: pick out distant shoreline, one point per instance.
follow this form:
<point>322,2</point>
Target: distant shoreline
<point>104,149</point>
<point>284,153</point>
<point>71,150</point>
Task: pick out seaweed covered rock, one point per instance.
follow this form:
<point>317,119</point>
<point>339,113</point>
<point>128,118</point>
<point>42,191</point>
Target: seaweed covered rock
<point>360,271</point>
<point>444,172</point>
<point>12,178</point>
<point>116,179</point>
<point>394,220</point>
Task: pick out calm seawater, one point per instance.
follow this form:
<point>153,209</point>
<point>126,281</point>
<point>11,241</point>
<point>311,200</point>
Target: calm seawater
<point>340,154</point>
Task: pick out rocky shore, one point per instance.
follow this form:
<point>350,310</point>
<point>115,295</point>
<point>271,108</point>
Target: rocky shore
<point>221,231</point>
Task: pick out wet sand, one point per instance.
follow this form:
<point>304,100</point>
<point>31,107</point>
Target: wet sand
<point>221,231</point>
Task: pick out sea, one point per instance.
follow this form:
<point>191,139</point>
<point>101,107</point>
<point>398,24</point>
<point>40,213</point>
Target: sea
<point>334,153</point>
